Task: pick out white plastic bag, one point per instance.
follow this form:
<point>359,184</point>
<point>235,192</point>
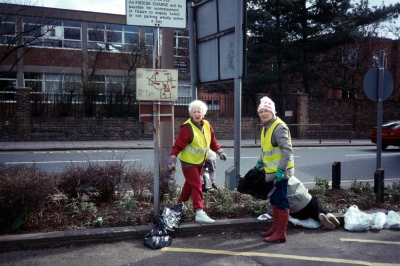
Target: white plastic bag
<point>379,220</point>
<point>309,223</point>
<point>392,221</point>
<point>356,220</point>
<point>264,217</point>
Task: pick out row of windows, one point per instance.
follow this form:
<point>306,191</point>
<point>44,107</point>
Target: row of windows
<point>47,82</point>
<point>71,83</point>
<point>68,34</point>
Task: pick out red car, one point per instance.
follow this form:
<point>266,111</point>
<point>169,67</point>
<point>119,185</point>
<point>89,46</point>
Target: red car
<point>390,134</point>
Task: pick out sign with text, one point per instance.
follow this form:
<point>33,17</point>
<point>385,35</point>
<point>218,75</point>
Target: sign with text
<point>156,84</point>
<point>156,13</point>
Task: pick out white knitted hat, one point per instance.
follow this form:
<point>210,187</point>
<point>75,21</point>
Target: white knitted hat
<point>266,103</point>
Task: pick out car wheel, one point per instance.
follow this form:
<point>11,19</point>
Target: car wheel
<point>384,147</point>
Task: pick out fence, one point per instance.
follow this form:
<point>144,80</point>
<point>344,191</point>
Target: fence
<point>7,103</point>
<point>84,104</point>
<point>125,105</point>
<point>315,132</point>
<point>222,105</point>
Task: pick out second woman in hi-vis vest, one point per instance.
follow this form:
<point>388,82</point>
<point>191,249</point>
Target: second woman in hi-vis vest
<point>277,159</point>
<point>195,138</point>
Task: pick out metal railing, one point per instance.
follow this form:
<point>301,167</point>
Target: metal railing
<point>84,105</point>
<point>315,132</point>
<point>7,103</point>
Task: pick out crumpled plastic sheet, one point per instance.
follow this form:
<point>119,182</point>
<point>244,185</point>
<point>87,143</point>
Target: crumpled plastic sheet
<point>309,223</point>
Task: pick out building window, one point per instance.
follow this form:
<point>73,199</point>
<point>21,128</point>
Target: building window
<point>184,93</point>
<point>52,33</point>
<point>112,37</point>
<point>7,30</point>
<point>181,43</point>
<point>213,105</point>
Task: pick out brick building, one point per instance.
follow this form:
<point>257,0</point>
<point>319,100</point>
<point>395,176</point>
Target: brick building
<point>62,48</point>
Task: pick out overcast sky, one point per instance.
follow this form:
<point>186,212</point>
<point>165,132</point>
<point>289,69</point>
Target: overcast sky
<point>112,6</point>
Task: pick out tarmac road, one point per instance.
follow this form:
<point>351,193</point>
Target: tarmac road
<point>303,247</point>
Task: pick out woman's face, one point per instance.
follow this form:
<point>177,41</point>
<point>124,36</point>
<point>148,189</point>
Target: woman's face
<point>196,114</point>
<point>265,115</point>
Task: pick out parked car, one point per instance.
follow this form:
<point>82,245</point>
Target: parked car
<point>390,134</point>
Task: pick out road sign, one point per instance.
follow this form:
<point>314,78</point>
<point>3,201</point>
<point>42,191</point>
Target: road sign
<point>370,84</point>
<point>215,23</point>
<point>156,84</point>
<point>156,13</point>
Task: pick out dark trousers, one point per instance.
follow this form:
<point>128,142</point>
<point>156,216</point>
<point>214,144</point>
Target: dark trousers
<point>311,210</point>
<point>279,197</point>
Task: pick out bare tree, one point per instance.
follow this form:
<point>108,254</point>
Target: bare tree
<point>21,30</point>
<point>135,55</point>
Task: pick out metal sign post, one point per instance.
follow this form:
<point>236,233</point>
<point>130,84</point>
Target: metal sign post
<point>156,137</point>
<point>238,86</point>
<point>380,107</point>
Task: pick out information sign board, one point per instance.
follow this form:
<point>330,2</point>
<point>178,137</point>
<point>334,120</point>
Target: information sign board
<point>156,84</point>
<point>159,13</point>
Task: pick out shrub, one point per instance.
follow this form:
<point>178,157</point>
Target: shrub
<point>368,197</point>
<point>140,181</point>
<point>394,192</point>
<point>127,206</point>
<point>106,183</point>
<point>25,191</point>
<point>321,186</point>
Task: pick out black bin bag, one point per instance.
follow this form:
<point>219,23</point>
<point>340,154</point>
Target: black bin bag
<point>163,224</point>
<point>254,184</point>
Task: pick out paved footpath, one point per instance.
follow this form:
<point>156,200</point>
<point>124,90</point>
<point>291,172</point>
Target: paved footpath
<point>149,144</point>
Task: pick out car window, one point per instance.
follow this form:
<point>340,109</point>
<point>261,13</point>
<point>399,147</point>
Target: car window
<point>391,124</point>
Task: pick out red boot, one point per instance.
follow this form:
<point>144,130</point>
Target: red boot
<point>274,222</point>
<point>280,234</point>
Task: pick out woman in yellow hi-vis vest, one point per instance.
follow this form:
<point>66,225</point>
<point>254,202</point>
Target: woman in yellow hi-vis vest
<point>277,159</point>
<point>195,138</point>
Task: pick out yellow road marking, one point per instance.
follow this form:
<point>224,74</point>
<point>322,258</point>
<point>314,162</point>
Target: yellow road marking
<point>370,241</point>
<point>282,256</point>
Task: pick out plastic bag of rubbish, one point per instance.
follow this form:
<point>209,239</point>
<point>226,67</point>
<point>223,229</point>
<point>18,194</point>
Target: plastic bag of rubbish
<point>379,219</point>
<point>172,216</point>
<point>158,236</point>
<point>309,223</point>
<point>356,220</point>
<point>254,184</point>
<point>392,220</point>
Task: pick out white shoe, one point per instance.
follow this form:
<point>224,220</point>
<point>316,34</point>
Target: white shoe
<point>202,217</point>
<point>333,220</point>
<point>327,224</point>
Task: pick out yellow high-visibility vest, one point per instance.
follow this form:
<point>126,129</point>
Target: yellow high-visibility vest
<point>272,155</point>
<point>196,151</point>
